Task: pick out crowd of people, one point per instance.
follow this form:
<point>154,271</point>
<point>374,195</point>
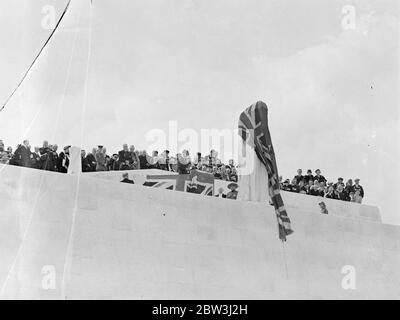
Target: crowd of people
<point>47,157</point>
<point>317,185</point>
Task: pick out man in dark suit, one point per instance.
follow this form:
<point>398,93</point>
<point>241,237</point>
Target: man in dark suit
<point>63,160</point>
<point>25,154</point>
<point>124,154</point>
<point>125,178</point>
<point>85,163</point>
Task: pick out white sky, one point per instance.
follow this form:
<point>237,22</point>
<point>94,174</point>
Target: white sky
<point>332,93</point>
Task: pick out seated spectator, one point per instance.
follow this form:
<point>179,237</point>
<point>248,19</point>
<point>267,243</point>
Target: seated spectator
<point>294,187</point>
<point>173,164</point>
<point>125,165</point>
<point>330,194</point>
<point>358,191</point>
<point>302,187</point>
<point>318,176</point>
<point>315,189</point>
<point>351,197</point>
<point>309,177</point>
<point>340,194</point>
<point>233,193</point>
<point>125,177</point>
<point>299,177</point>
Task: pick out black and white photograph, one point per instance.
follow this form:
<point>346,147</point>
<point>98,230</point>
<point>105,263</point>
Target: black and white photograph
<point>217,151</point>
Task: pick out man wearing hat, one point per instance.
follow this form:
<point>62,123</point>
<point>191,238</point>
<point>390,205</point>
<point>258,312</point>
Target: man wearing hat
<point>358,191</point>
<point>308,177</point>
<point>318,176</point>
<point>339,181</point>
<point>63,160</point>
<point>233,193</point>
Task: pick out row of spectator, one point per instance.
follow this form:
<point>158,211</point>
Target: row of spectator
<point>47,158</point>
<point>317,185</point>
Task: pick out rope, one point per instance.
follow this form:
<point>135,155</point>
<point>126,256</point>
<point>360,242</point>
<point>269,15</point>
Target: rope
<point>284,260</point>
<point>36,57</point>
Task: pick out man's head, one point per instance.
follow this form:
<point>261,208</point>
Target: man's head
<point>357,181</point>
<point>231,162</point>
<point>125,147</point>
<point>36,149</point>
<point>94,150</point>
<point>45,144</point>
<point>340,180</point>
<point>26,143</point>
<point>83,153</point>
<point>309,172</point>
<point>115,156</point>
<point>132,148</point>
<point>9,149</point>
<point>299,172</point>
<point>317,172</point>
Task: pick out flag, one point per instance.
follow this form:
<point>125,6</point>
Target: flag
<point>253,129</point>
<point>198,182</point>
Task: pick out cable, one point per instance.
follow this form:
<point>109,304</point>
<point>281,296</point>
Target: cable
<point>36,57</point>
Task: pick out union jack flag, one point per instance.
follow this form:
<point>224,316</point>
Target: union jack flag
<point>253,129</point>
<point>198,182</point>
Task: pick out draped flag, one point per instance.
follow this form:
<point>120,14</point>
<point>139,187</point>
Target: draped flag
<point>253,129</point>
<point>198,182</point>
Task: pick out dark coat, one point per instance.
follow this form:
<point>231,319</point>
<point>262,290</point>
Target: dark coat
<point>126,180</point>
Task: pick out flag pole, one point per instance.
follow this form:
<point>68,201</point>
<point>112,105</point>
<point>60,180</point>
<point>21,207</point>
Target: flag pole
<point>284,259</point>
